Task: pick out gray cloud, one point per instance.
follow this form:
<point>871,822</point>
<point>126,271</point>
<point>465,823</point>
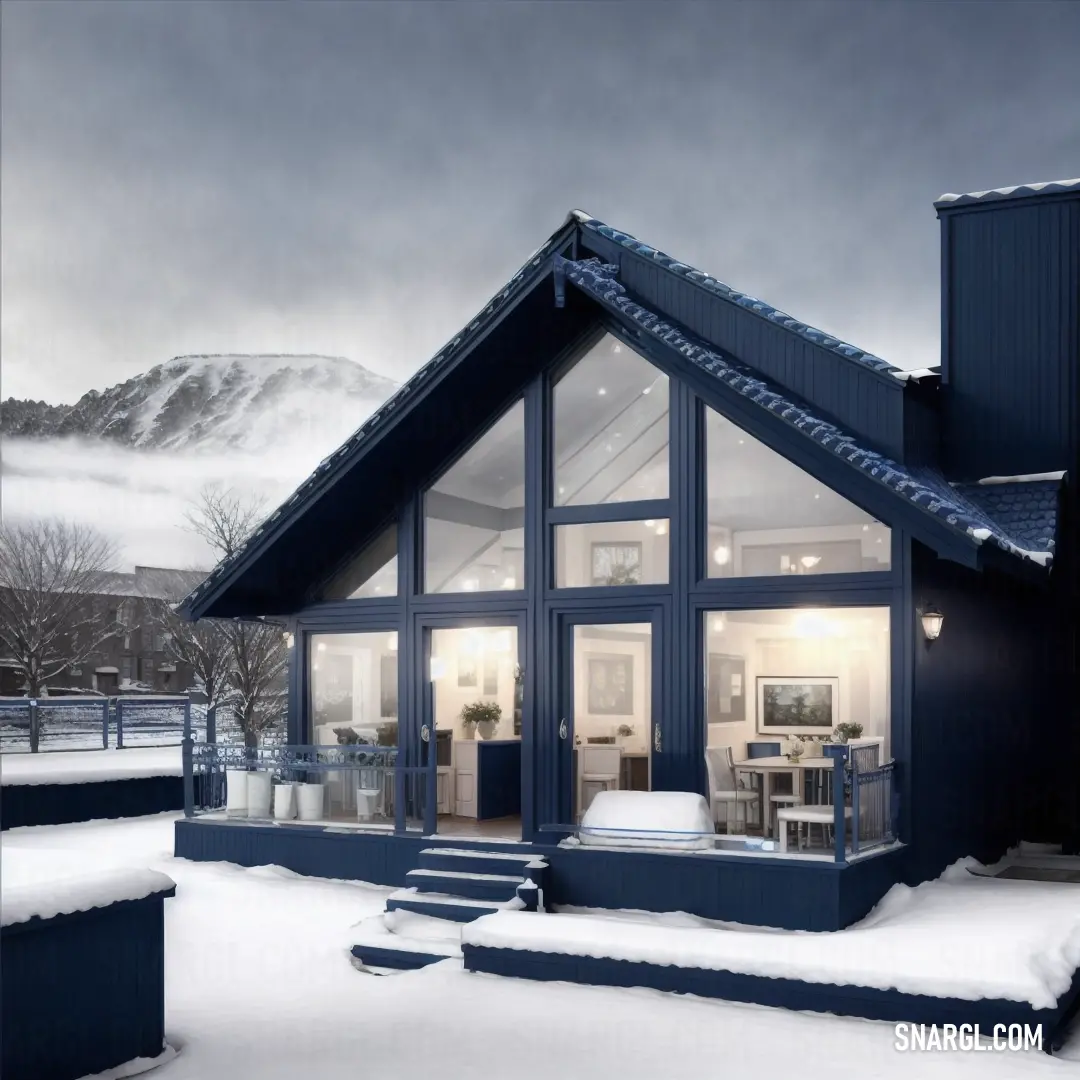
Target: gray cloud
<point>357,179</point>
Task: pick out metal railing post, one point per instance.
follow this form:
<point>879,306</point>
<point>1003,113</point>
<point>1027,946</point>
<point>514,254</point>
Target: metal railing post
<point>211,724</point>
<point>856,822</point>
<point>119,724</point>
<point>35,726</point>
<point>187,720</point>
<point>105,724</point>
<point>839,822</point>
<point>186,754</point>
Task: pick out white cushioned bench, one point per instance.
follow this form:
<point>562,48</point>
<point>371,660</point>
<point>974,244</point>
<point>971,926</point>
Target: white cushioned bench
<point>807,815</point>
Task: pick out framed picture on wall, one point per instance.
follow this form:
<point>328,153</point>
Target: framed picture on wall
<point>726,689</point>
<point>491,675</point>
<point>797,705</point>
<point>616,564</point>
<point>610,686</point>
<point>466,670</point>
<point>388,672</point>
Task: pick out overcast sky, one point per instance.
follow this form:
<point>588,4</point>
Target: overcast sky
<point>357,179</point>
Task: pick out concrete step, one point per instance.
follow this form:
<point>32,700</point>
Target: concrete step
<point>471,886</point>
<point>399,958</point>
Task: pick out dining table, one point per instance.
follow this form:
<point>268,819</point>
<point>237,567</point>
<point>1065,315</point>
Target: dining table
<point>769,767</point>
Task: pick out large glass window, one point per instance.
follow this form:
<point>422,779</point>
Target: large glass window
<point>372,573</point>
<point>772,676</point>
<point>611,553</point>
<point>474,515</point>
<point>354,688</point>
<point>767,516</point>
<point>611,428</point>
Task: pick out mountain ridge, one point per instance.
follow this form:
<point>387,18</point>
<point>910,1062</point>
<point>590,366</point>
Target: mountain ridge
<point>234,401</point>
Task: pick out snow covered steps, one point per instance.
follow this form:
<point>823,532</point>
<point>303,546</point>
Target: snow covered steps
<point>451,887</point>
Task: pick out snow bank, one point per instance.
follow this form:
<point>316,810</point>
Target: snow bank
<point>90,766</point>
<point>51,898</point>
<point>960,936</point>
<point>654,819</point>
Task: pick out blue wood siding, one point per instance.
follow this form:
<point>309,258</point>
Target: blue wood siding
<point>83,992</point>
<point>1011,337</point>
<point>993,735</point>
<point>795,895</point>
<point>868,402</point>
<point>60,804</point>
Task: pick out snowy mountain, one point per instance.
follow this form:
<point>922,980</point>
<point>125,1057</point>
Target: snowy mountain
<point>214,403</point>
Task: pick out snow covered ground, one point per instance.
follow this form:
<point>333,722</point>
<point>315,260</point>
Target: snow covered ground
<point>260,986</point>
<point>90,766</point>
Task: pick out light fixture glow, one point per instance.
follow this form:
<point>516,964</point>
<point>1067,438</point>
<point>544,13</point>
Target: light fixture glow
<point>649,523</point>
<point>601,392</point>
<point>817,494</point>
<point>810,561</point>
<point>509,582</point>
<point>718,624</point>
<point>647,390</point>
<point>321,646</point>
<point>391,641</point>
<point>661,529</point>
<point>932,621</point>
<point>866,528</point>
<point>722,555</point>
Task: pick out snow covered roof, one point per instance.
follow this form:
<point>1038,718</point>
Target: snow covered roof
<point>974,519</point>
<point>1020,191</point>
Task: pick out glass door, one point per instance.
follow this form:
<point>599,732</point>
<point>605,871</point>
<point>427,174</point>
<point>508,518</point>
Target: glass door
<point>609,728</point>
<point>473,719</point>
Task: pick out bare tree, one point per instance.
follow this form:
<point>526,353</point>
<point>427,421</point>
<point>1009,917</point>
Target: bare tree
<point>52,574</point>
<point>204,646</point>
<point>255,657</point>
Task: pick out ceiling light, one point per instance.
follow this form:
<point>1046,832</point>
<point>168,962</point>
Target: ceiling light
<point>649,523</point>
<point>647,390</point>
<point>718,624</point>
<point>616,348</point>
<point>321,646</point>
<point>866,528</point>
<point>810,561</point>
<point>509,582</point>
<point>741,441</point>
<point>817,494</point>
<point>601,392</point>
<point>661,529</point>
<point>722,555</point>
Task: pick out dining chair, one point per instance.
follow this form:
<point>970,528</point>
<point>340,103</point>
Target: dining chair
<point>599,769</point>
<point>725,788</point>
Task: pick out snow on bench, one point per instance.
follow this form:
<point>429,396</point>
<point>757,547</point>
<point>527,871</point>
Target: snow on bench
<point>677,820</point>
<point>960,936</point>
<point>90,766</point>
<point>47,899</point>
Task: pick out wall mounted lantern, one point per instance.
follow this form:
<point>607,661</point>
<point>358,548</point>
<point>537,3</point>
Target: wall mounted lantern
<point>932,620</point>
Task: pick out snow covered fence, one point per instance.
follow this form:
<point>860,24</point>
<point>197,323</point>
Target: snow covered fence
<point>88,722</point>
<point>84,970</point>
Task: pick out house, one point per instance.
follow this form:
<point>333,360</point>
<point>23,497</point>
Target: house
<point>672,532</point>
<point>138,658</point>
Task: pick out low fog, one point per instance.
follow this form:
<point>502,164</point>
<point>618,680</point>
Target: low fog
<point>138,497</point>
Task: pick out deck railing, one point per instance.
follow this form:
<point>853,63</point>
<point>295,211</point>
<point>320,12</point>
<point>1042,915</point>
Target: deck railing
<point>351,784</point>
<point>873,810</point>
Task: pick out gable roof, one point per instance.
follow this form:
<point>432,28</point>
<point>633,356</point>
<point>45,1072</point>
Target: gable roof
<point>926,490</point>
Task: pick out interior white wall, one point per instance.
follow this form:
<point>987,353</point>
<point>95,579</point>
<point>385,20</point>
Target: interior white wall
<point>364,653</point>
<point>635,641</point>
<point>451,645</point>
<point>573,549</point>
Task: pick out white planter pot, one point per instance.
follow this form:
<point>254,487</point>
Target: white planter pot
<point>284,801</point>
<point>258,794</point>
<point>309,801</point>
<point>486,728</point>
<point>469,732</point>
<point>236,793</point>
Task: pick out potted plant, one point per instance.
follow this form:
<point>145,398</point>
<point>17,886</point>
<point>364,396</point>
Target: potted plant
<point>847,731</point>
<point>796,752</point>
<point>482,716</point>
